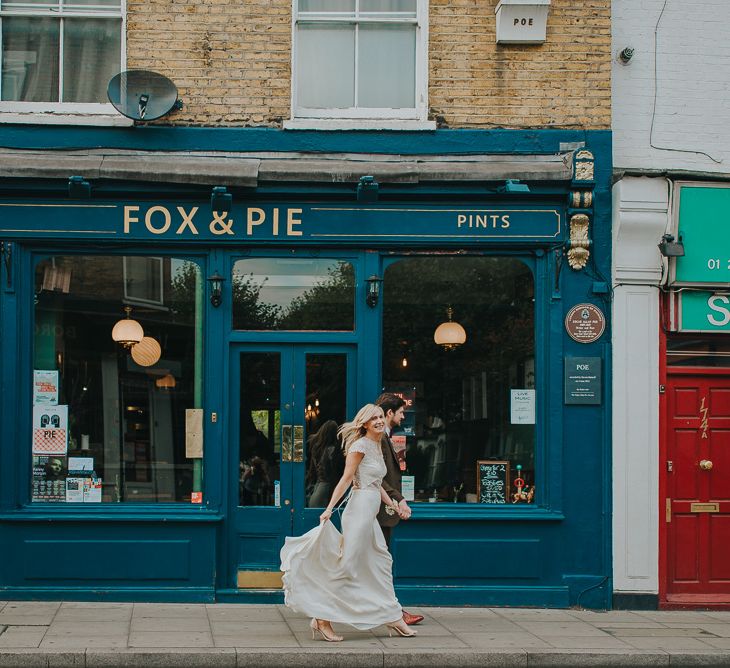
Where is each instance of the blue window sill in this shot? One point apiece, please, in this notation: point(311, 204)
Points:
point(81, 512)
point(470, 511)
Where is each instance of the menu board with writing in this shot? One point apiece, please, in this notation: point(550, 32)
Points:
point(492, 481)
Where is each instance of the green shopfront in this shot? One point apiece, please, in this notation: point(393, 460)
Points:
point(183, 329)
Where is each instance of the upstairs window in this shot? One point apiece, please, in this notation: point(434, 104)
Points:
point(63, 51)
point(360, 59)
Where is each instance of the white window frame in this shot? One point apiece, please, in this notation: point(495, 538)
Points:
point(377, 118)
point(64, 113)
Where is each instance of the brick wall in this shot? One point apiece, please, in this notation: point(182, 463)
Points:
point(232, 63)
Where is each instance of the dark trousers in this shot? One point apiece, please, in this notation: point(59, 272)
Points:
point(387, 533)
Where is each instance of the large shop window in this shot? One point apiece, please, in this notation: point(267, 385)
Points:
point(111, 421)
point(59, 51)
point(293, 294)
point(344, 52)
point(469, 429)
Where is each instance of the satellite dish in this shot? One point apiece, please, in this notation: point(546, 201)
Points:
point(142, 95)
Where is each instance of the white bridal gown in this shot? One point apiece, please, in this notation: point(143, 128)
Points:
point(345, 577)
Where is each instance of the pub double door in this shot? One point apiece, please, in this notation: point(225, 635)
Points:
point(287, 401)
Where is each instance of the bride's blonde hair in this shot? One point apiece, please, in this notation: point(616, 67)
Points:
point(351, 431)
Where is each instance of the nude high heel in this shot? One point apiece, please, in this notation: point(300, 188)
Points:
point(403, 632)
point(314, 625)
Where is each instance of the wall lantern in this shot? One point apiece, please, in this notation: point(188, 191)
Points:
point(513, 186)
point(668, 247)
point(522, 21)
point(147, 352)
point(373, 290)
point(449, 335)
point(126, 331)
point(221, 200)
point(216, 289)
point(367, 189)
point(166, 382)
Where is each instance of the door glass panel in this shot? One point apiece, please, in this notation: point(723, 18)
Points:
point(293, 294)
point(325, 411)
point(260, 428)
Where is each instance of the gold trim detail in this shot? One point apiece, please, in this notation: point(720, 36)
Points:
point(578, 253)
point(298, 443)
point(286, 443)
point(668, 510)
point(704, 507)
point(583, 171)
point(259, 579)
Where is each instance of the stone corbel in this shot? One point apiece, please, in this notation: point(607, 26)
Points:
point(578, 252)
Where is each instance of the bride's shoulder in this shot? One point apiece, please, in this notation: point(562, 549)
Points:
point(362, 445)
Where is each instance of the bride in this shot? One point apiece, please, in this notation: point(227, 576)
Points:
point(348, 577)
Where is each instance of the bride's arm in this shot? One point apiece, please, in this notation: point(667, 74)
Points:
point(386, 499)
point(351, 463)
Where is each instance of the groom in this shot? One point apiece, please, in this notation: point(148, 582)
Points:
point(394, 409)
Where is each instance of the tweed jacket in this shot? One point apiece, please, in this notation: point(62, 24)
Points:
point(391, 482)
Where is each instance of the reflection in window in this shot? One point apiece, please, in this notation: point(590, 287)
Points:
point(259, 428)
point(693, 350)
point(462, 404)
point(120, 414)
point(293, 293)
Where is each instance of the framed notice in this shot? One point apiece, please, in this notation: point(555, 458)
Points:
point(492, 481)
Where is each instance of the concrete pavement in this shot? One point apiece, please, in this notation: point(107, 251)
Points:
point(54, 634)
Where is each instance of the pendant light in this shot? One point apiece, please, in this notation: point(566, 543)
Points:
point(449, 335)
point(147, 352)
point(127, 332)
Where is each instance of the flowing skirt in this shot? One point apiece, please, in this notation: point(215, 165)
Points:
point(346, 577)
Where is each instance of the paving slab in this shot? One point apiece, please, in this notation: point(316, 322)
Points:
point(487, 641)
point(571, 629)
point(465, 659)
point(698, 658)
point(327, 657)
point(605, 657)
point(162, 658)
point(22, 636)
point(171, 639)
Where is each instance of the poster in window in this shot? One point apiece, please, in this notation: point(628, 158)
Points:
point(50, 430)
point(492, 481)
point(407, 392)
point(45, 387)
point(49, 478)
point(399, 447)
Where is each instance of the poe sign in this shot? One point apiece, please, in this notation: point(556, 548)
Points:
point(704, 228)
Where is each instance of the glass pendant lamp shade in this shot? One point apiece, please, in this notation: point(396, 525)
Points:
point(449, 334)
point(147, 352)
point(127, 332)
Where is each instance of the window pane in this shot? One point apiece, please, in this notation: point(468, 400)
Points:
point(380, 83)
point(109, 423)
point(91, 57)
point(86, 3)
point(325, 410)
point(143, 279)
point(388, 6)
point(326, 5)
point(30, 59)
point(326, 66)
point(275, 293)
point(462, 403)
point(260, 428)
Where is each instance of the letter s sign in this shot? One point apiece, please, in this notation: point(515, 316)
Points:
point(724, 312)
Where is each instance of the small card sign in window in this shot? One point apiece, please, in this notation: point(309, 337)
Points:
point(492, 481)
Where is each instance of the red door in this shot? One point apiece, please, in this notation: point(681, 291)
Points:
point(698, 490)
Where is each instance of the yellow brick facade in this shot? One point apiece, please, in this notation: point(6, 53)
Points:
point(232, 63)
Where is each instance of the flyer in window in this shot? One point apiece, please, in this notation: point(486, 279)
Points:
point(49, 478)
point(50, 430)
point(408, 487)
point(399, 447)
point(45, 387)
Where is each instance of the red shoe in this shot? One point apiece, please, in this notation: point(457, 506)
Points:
point(410, 619)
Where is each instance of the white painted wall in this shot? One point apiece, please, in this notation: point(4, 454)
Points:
point(640, 217)
point(692, 85)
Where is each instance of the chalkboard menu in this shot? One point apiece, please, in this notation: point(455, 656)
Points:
point(492, 481)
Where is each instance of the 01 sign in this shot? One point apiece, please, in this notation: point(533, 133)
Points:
point(704, 312)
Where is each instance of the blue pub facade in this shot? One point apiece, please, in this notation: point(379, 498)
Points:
point(186, 312)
